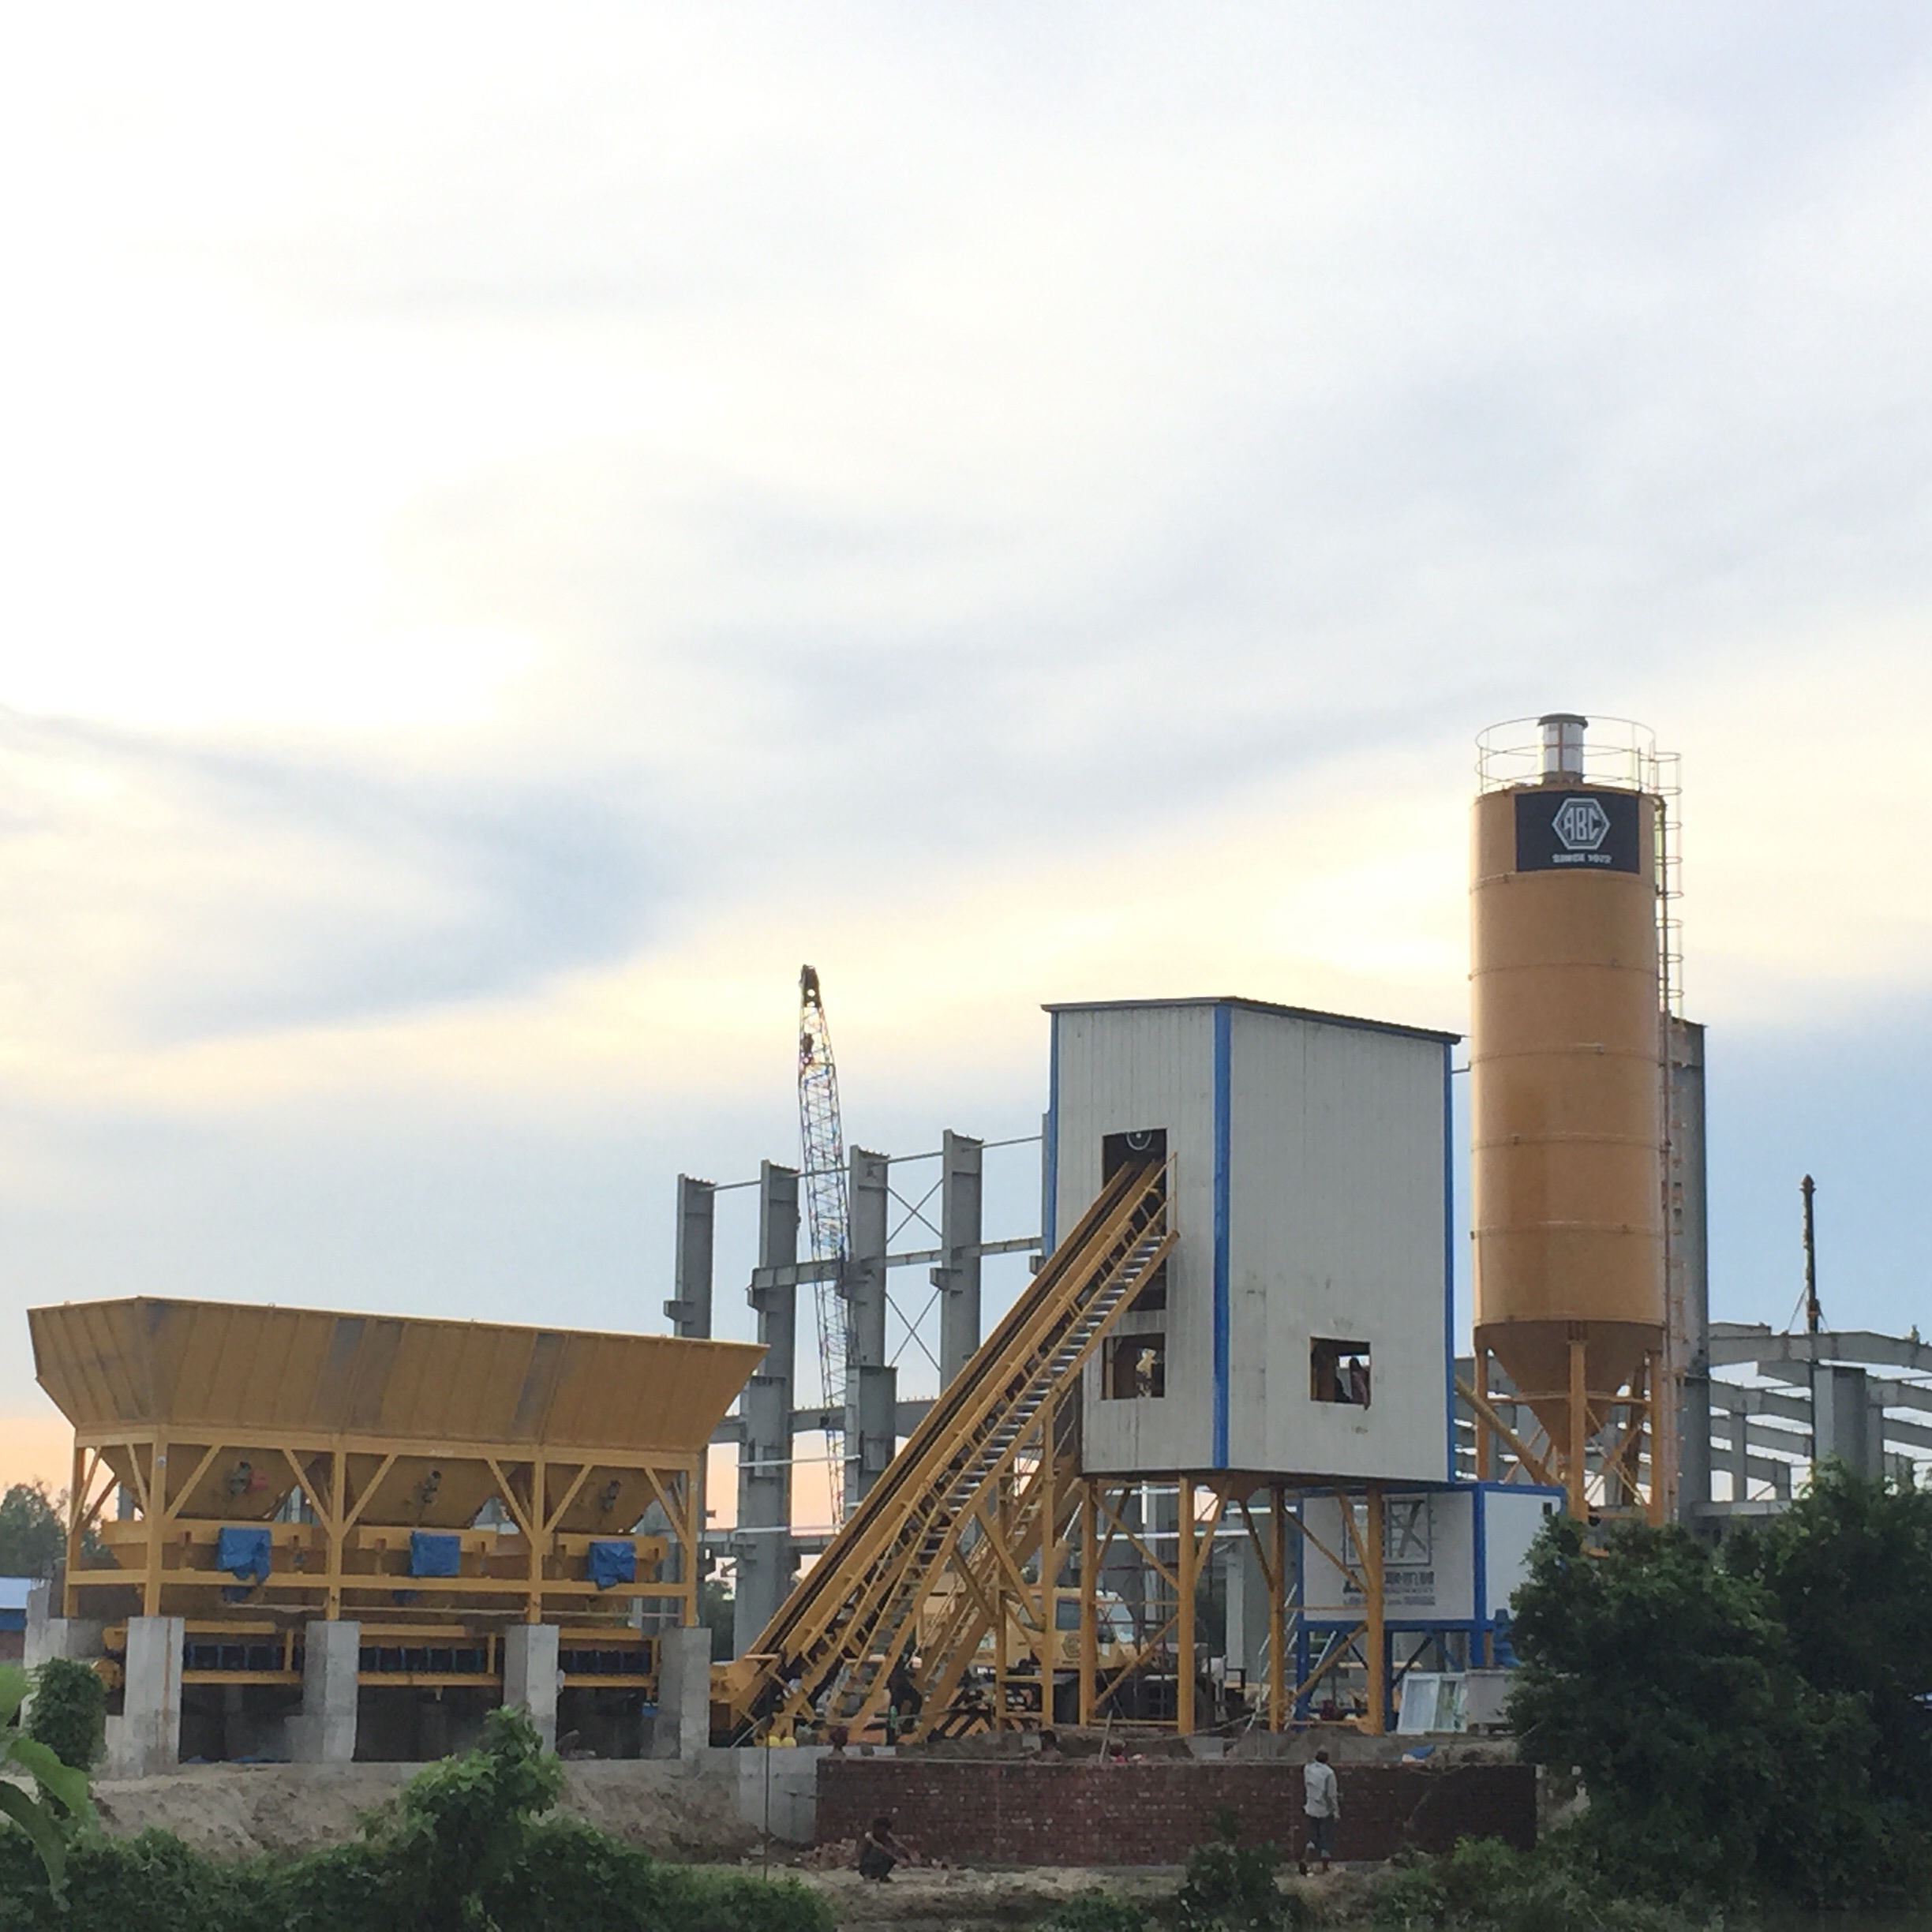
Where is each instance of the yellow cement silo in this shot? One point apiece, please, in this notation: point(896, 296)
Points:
point(1567, 1105)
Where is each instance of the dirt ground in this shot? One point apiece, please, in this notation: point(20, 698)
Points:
point(968, 1900)
point(233, 1810)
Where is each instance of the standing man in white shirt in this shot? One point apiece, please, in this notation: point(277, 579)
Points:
point(1322, 1803)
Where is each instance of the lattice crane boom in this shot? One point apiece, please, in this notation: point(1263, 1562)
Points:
point(828, 1213)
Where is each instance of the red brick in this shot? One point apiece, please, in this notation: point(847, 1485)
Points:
point(1020, 1813)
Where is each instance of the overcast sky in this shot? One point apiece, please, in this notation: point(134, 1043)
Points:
point(521, 525)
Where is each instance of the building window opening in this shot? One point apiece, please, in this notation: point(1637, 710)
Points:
point(1339, 1372)
point(1139, 1146)
point(1133, 1368)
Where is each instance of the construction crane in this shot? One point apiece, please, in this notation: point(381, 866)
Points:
point(828, 1216)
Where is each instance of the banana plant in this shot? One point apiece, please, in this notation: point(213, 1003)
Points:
point(62, 1791)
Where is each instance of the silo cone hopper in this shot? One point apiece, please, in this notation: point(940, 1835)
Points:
point(234, 1459)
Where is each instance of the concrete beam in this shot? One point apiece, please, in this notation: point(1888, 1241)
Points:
point(1733, 1342)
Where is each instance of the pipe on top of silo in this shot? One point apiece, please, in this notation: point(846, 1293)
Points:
point(1562, 743)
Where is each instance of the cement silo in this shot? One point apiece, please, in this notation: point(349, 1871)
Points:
point(1569, 999)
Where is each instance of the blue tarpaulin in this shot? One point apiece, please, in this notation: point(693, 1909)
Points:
point(613, 1562)
point(435, 1555)
point(243, 1554)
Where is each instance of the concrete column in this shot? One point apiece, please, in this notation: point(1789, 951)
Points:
point(690, 1309)
point(325, 1732)
point(957, 1277)
point(1841, 1419)
point(145, 1739)
point(683, 1726)
point(530, 1675)
point(869, 1394)
point(871, 1429)
point(1689, 1262)
point(763, 1542)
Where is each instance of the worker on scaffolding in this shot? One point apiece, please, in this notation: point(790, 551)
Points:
point(906, 1702)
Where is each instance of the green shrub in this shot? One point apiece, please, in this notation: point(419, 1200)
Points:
point(680, 1898)
point(1483, 1886)
point(69, 1711)
point(1097, 1911)
point(459, 1828)
point(153, 1883)
point(1232, 1885)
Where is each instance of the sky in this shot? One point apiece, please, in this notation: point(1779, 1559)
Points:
point(522, 527)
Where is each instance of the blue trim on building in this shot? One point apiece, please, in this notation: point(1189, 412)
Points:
point(1050, 1208)
point(1223, 1138)
point(1449, 1249)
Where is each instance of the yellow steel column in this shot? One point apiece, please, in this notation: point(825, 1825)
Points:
point(1277, 1614)
point(76, 1504)
point(1485, 1440)
point(1089, 1597)
point(1184, 1620)
point(1658, 1390)
point(334, 1531)
point(157, 1512)
point(1376, 1635)
point(1002, 1616)
point(540, 1543)
point(1049, 1570)
point(1575, 1475)
point(694, 1541)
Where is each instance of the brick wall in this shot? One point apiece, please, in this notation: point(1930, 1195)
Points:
point(1008, 1813)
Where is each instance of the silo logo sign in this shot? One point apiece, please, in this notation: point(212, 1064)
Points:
point(1594, 830)
point(1581, 824)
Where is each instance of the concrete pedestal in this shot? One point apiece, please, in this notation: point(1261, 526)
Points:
point(530, 1675)
point(325, 1732)
point(683, 1729)
point(48, 1636)
point(145, 1739)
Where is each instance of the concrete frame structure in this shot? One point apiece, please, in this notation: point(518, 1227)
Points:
point(767, 1544)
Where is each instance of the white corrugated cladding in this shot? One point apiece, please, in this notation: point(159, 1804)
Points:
point(1337, 1231)
point(1119, 1070)
point(1309, 1173)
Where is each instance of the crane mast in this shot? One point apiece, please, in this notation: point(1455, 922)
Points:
point(827, 1215)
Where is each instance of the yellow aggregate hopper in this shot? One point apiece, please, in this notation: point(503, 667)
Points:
point(306, 1463)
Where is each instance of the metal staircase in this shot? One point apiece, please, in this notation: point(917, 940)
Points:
point(975, 1495)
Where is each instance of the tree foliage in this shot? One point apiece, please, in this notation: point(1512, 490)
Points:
point(1726, 1752)
point(1849, 1569)
point(32, 1541)
point(46, 1815)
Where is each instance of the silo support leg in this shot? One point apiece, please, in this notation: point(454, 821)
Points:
point(1375, 1632)
point(1577, 1474)
point(1188, 1569)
